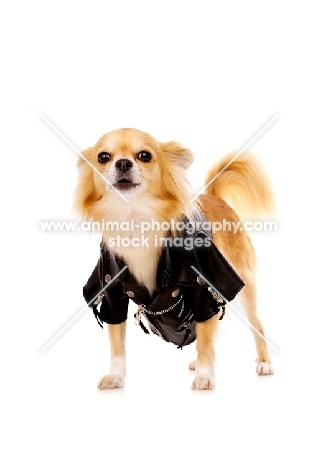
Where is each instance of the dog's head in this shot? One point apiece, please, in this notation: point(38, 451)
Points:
point(128, 166)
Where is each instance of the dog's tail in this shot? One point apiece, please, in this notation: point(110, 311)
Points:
point(244, 184)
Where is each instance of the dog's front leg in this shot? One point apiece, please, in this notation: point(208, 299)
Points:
point(205, 364)
point(116, 377)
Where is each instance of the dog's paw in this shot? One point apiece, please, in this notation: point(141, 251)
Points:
point(264, 368)
point(111, 381)
point(203, 383)
point(192, 365)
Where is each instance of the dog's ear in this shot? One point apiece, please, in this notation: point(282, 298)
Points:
point(85, 194)
point(83, 156)
point(178, 154)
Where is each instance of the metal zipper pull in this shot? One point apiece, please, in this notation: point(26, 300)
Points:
point(138, 318)
point(216, 296)
point(140, 311)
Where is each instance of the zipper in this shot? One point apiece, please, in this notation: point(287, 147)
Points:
point(186, 321)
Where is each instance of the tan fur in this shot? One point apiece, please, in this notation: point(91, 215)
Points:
point(244, 184)
point(163, 195)
point(243, 177)
point(117, 335)
point(165, 180)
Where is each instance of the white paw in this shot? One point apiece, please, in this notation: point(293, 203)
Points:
point(203, 383)
point(204, 377)
point(192, 365)
point(264, 368)
point(111, 381)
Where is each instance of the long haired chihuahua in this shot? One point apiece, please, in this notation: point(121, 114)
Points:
point(130, 177)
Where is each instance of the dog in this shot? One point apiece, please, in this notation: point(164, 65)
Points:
point(129, 175)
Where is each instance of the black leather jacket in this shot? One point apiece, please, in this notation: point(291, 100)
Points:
point(182, 296)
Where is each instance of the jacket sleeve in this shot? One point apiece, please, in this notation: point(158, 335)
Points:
point(107, 300)
point(92, 289)
point(217, 283)
point(216, 271)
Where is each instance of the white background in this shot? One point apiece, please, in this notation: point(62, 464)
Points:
point(207, 74)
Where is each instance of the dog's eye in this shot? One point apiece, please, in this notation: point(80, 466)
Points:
point(103, 157)
point(144, 156)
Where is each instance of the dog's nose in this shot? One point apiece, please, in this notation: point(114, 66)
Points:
point(124, 165)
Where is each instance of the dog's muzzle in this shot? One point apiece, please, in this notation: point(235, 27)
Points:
point(124, 176)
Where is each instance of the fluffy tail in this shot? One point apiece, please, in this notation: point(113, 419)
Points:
point(243, 184)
